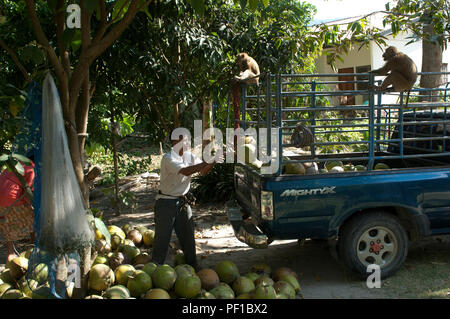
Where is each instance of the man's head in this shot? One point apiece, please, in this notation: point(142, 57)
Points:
point(180, 138)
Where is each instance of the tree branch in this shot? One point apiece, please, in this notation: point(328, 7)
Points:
point(60, 23)
point(16, 60)
point(41, 37)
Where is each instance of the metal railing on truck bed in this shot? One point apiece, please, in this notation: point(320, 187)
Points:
point(347, 121)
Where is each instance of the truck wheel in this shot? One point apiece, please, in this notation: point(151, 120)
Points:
point(373, 238)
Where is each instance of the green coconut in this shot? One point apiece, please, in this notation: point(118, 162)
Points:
point(264, 292)
point(101, 277)
point(188, 286)
point(164, 277)
point(149, 268)
point(227, 271)
point(123, 273)
point(243, 285)
point(223, 291)
point(157, 293)
point(139, 283)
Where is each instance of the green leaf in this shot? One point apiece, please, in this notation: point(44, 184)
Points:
point(199, 6)
point(20, 169)
point(100, 225)
point(23, 159)
point(253, 4)
point(265, 3)
point(4, 157)
point(243, 3)
point(120, 9)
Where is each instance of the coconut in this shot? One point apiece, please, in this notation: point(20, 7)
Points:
point(130, 252)
point(116, 242)
point(188, 286)
point(184, 270)
point(285, 289)
point(252, 276)
point(27, 287)
point(126, 228)
point(100, 260)
point(164, 277)
point(223, 291)
point(179, 259)
point(283, 270)
point(102, 247)
point(12, 294)
point(243, 285)
point(264, 280)
point(117, 292)
point(142, 259)
point(148, 238)
point(261, 269)
point(123, 273)
point(336, 169)
point(142, 229)
point(205, 295)
point(294, 169)
point(157, 293)
point(292, 281)
point(27, 253)
point(245, 296)
point(209, 278)
point(4, 288)
point(149, 268)
point(116, 260)
point(94, 297)
point(139, 283)
point(264, 292)
point(114, 230)
point(381, 166)
point(360, 168)
point(135, 236)
point(227, 271)
point(349, 168)
point(18, 267)
point(101, 277)
point(330, 165)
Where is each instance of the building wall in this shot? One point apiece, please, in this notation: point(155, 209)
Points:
point(373, 56)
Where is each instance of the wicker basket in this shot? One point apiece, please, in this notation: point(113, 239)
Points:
point(17, 223)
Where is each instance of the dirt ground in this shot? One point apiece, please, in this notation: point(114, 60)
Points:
point(425, 274)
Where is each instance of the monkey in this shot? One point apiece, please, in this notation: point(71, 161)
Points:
point(401, 72)
point(248, 67)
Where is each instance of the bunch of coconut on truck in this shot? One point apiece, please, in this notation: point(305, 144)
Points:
point(355, 167)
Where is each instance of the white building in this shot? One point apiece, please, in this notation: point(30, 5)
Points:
point(368, 58)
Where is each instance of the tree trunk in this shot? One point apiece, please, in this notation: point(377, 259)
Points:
point(207, 121)
point(431, 62)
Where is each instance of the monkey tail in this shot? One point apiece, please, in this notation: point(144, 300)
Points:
point(407, 98)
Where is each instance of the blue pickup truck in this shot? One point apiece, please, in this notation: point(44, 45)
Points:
point(394, 185)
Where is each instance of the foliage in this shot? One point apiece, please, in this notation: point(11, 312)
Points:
point(413, 14)
point(216, 186)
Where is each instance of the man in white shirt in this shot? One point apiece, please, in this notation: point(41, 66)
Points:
point(172, 211)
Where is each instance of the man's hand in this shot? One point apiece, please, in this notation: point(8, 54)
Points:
point(208, 167)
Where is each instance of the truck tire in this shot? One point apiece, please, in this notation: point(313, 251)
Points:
point(373, 238)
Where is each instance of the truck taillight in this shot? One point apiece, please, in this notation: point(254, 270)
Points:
point(267, 205)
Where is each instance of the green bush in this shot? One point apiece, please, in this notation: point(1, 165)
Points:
point(216, 186)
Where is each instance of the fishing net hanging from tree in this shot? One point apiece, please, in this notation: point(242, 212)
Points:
point(64, 230)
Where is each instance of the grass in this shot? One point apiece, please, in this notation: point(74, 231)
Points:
point(425, 274)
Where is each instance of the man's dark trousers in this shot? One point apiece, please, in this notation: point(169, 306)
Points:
point(173, 214)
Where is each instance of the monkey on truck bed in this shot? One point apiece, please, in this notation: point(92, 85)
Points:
point(400, 69)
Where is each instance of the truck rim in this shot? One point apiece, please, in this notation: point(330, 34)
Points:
point(377, 245)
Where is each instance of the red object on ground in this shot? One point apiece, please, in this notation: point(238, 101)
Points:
point(11, 189)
